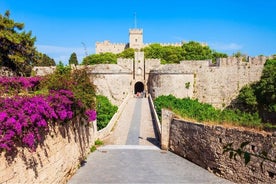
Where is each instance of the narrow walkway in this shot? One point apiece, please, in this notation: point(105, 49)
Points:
point(132, 155)
point(135, 126)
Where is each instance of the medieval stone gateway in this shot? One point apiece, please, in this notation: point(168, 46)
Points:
point(215, 84)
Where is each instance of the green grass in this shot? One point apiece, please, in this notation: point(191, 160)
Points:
point(202, 112)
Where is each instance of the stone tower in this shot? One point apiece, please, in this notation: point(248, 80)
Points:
point(136, 38)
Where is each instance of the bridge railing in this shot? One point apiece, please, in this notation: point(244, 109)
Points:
point(156, 121)
point(106, 131)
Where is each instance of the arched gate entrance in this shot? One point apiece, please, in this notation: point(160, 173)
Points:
point(138, 87)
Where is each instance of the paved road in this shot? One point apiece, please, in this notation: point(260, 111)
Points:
point(135, 126)
point(131, 155)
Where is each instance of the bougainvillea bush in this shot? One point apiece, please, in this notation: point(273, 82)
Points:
point(15, 85)
point(25, 118)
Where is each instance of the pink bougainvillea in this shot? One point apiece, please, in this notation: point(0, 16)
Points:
point(22, 118)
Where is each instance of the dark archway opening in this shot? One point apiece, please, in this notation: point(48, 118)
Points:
point(138, 87)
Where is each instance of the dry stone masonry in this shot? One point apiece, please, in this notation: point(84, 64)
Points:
point(54, 161)
point(203, 145)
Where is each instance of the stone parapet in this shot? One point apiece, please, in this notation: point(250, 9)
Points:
point(203, 145)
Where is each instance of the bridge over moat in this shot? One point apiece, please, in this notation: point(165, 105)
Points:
point(131, 155)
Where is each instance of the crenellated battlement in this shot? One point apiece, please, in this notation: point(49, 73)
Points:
point(107, 42)
point(107, 46)
point(135, 31)
point(241, 61)
point(179, 44)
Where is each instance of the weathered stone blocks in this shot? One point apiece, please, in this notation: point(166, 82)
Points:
point(203, 145)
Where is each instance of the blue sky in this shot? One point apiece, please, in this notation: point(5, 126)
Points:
point(65, 26)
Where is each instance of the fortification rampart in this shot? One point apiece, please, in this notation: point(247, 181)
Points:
point(125, 63)
point(217, 84)
point(106, 46)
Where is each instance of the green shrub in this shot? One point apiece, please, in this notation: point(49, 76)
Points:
point(98, 142)
point(75, 80)
point(202, 112)
point(105, 111)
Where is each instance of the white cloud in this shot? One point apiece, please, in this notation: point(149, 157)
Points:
point(226, 46)
point(63, 54)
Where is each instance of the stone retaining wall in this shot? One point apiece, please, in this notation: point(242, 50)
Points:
point(203, 145)
point(53, 162)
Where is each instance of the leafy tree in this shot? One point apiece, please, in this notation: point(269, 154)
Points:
point(127, 53)
point(102, 58)
point(73, 59)
point(44, 60)
point(266, 88)
point(174, 54)
point(154, 51)
point(17, 49)
point(261, 96)
point(247, 100)
point(196, 51)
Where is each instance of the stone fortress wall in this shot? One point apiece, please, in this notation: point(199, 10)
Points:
point(217, 84)
point(107, 46)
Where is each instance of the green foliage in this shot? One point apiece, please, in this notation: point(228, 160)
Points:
point(103, 58)
point(105, 111)
point(174, 54)
point(196, 51)
point(93, 148)
point(77, 81)
point(60, 79)
point(127, 53)
point(73, 60)
point(266, 88)
point(247, 100)
point(98, 142)
point(17, 50)
point(203, 112)
point(168, 54)
point(44, 60)
point(261, 96)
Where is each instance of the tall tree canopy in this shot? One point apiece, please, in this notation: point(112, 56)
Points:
point(102, 58)
point(127, 53)
point(188, 51)
point(73, 59)
point(17, 49)
point(44, 60)
point(260, 96)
